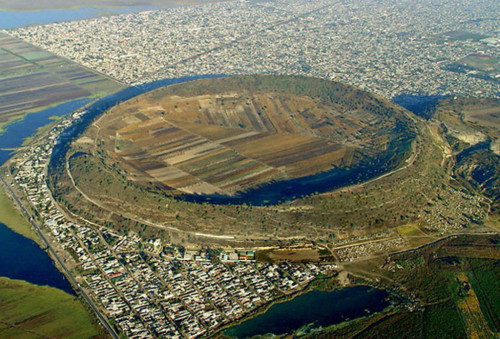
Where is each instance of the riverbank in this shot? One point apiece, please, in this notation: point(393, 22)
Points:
point(21, 133)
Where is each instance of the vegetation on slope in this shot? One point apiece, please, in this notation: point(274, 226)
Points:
point(472, 128)
point(419, 193)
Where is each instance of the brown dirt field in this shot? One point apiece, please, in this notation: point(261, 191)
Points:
point(293, 254)
point(214, 142)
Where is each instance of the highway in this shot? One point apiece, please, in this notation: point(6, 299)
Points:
point(66, 272)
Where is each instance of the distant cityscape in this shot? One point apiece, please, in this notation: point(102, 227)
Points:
point(389, 47)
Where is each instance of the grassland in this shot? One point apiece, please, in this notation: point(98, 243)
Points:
point(12, 217)
point(32, 79)
point(484, 279)
point(474, 321)
point(30, 311)
point(477, 65)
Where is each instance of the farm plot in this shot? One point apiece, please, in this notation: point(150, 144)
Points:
point(231, 141)
point(32, 79)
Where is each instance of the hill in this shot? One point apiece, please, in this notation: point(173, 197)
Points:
point(471, 127)
point(397, 168)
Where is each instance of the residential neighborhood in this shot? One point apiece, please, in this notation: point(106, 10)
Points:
point(386, 47)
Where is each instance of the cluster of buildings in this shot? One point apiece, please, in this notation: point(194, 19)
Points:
point(353, 252)
point(145, 288)
point(453, 211)
point(390, 47)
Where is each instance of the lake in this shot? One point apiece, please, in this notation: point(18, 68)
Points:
point(313, 309)
point(36, 263)
point(21, 258)
point(19, 130)
point(268, 194)
point(15, 19)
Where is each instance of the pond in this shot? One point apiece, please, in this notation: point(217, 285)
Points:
point(22, 258)
point(314, 309)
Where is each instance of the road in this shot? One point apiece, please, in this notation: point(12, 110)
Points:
point(65, 270)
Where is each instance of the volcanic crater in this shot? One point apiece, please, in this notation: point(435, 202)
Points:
point(228, 135)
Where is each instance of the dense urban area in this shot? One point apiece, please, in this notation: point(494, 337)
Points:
point(386, 47)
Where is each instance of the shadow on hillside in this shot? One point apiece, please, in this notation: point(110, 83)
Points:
point(422, 105)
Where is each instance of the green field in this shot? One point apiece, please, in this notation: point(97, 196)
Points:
point(30, 311)
point(477, 65)
point(443, 284)
point(484, 278)
point(12, 217)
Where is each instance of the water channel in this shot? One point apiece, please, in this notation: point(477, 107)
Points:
point(21, 258)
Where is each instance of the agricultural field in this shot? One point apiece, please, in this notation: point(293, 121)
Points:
point(468, 304)
point(224, 141)
point(30, 311)
point(32, 79)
